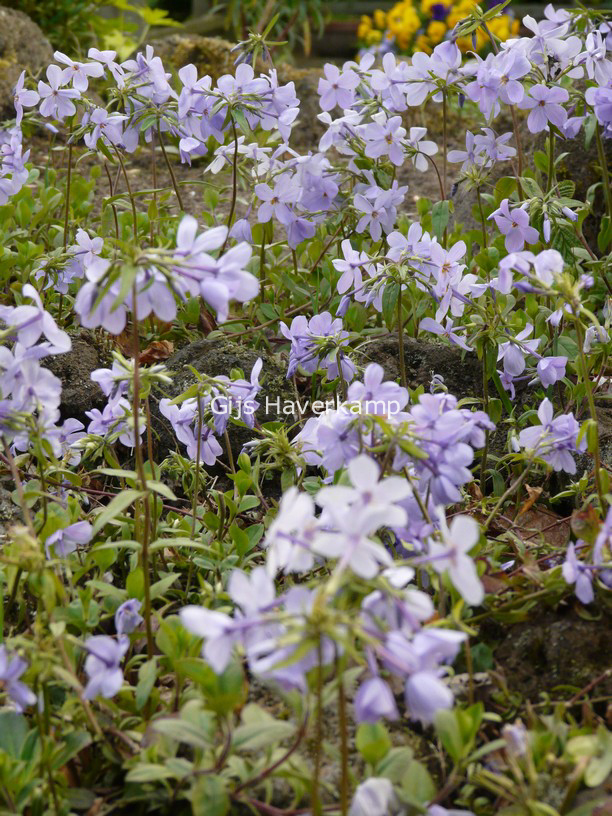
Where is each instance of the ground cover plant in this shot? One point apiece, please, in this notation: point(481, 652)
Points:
point(206, 611)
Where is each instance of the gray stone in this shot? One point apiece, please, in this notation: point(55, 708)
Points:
point(23, 46)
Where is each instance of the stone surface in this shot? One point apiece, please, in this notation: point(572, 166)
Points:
point(23, 46)
point(462, 374)
point(554, 649)
point(216, 357)
point(79, 393)
point(213, 56)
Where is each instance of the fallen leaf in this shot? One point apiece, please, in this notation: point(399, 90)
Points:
point(534, 494)
point(208, 323)
point(158, 350)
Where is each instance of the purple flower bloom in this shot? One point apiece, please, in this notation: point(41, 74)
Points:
point(30, 322)
point(128, 617)
point(11, 669)
point(374, 701)
point(377, 397)
point(383, 137)
point(336, 88)
point(575, 572)
point(555, 439)
point(23, 98)
point(102, 665)
point(551, 369)
point(451, 555)
point(66, 541)
point(545, 105)
point(374, 797)
point(427, 324)
point(56, 100)
point(514, 224)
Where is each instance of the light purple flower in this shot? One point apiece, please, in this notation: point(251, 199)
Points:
point(554, 440)
point(56, 100)
point(374, 797)
point(374, 701)
point(66, 541)
point(23, 98)
point(337, 88)
point(575, 572)
point(514, 224)
point(546, 107)
point(102, 665)
point(451, 555)
point(11, 669)
point(128, 617)
point(551, 369)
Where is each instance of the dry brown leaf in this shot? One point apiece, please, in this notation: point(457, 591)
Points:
point(534, 494)
point(207, 321)
point(158, 351)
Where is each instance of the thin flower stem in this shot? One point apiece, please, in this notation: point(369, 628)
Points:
point(112, 192)
point(144, 553)
point(588, 387)
point(170, 170)
point(444, 140)
point(551, 160)
point(230, 218)
point(130, 194)
point(482, 219)
point(318, 755)
point(344, 749)
point(605, 175)
point(400, 339)
point(509, 492)
point(68, 179)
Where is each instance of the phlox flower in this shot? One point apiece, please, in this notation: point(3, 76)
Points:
point(450, 554)
point(554, 440)
point(546, 107)
point(336, 88)
point(56, 101)
point(23, 98)
point(514, 224)
point(102, 665)
point(576, 572)
point(11, 669)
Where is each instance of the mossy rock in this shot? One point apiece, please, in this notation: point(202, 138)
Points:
point(23, 46)
point(216, 357)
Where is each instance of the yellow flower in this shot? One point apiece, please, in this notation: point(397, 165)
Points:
point(364, 28)
point(436, 31)
point(374, 37)
point(504, 27)
point(426, 7)
point(423, 44)
point(380, 19)
point(403, 20)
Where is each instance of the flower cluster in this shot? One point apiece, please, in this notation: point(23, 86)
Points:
point(410, 27)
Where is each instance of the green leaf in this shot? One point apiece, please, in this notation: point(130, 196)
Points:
point(148, 772)
point(115, 507)
point(159, 587)
point(449, 732)
point(147, 674)
point(260, 729)
point(162, 489)
point(184, 731)
point(71, 744)
point(389, 303)
point(440, 214)
point(373, 742)
point(209, 797)
point(13, 732)
point(418, 785)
